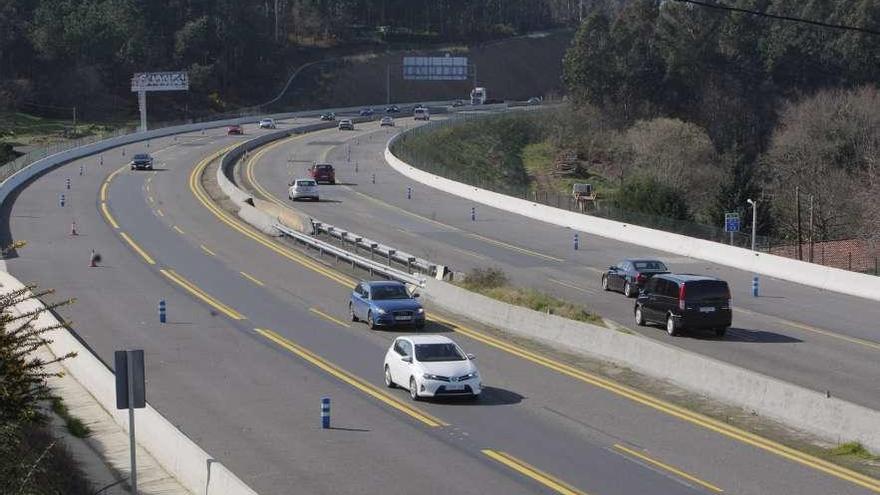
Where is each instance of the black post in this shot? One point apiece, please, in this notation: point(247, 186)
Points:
point(797, 200)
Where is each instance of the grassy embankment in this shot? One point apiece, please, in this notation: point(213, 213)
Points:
point(492, 282)
point(23, 130)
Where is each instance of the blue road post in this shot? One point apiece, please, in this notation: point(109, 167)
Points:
point(755, 286)
point(162, 311)
point(80, 170)
point(408, 193)
point(575, 241)
point(325, 412)
point(355, 166)
point(61, 200)
point(473, 214)
point(67, 183)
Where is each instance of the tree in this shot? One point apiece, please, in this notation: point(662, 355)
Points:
point(648, 195)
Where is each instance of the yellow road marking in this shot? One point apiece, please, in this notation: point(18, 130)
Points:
point(571, 286)
point(669, 468)
point(175, 227)
point(672, 410)
point(532, 472)
point(328, 317)
point(108, 216)
point(252, 279)
point(137, 248)
point(595, 380)
point(199, 293)
point(159, 212)
point(212, 253)
point(351, 379)
point(808, 328)
point(224, 217)
point(104, 187)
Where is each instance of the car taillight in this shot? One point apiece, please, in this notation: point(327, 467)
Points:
point(729, 297)
point(640, 277)
point(681, 293)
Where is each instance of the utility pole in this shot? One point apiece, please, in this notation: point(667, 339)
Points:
point(811, 228)
point(797, 201)
point(754, 219)
point(74, 120)
point(388, 84)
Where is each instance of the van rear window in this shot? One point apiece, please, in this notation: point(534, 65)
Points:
point(707, 289)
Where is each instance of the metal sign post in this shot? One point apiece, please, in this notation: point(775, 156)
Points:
point(731, 224)
point(131, 395)
point(142, 82)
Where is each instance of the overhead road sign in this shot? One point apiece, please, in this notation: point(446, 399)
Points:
point(160, 81)
point(435, 68)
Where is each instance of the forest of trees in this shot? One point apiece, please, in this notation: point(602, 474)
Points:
point(782, 104)
point(236, 51)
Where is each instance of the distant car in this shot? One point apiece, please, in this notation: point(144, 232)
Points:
point(458, 103)
point(392, 109)
point(630, 275)
point(367, 112)
point(267, 124)
point(303, 189)
point(386, 122)
point(385, 304)
point(534, 101)
point(234, 129)
point(431, 366)
point(682, 302)
point(421, 114)
point(328, 116)
point(323, 172)
point(141, 161)
point(419, 105)
point(345, 125)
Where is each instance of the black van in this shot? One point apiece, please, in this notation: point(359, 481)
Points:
point(685, 302)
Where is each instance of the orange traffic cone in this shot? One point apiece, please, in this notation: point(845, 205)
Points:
point(73, 228)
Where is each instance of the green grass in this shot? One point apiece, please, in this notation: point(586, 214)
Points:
point(492, 282)
point(74, 425)
point(24, 129)
point(853, 449)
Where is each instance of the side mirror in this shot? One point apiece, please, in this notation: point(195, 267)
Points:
point(290, 183)
point(406, 359)
point(416, 295)
point(612, 268)
point(471, 357)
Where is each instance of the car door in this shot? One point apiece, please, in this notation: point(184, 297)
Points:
point(667, 300)
point(357, 302)
point(651, 294)
point(403, 370)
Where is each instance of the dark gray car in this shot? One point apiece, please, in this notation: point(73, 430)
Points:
point(683, 302)
point(630, 275)
point(141, 161)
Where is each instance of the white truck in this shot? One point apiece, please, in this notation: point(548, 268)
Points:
point(478, 96)
point(421, 113)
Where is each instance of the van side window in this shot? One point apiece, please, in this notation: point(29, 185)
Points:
point(651, 286)
point(671, 289)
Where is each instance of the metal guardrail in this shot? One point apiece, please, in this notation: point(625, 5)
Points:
point(356, 260)
point(375, 248)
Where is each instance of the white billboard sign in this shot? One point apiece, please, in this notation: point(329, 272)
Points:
point(160, 81)
point(435, 68)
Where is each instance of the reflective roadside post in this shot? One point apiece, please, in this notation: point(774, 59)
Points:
point(575, 241)
point(131, 395)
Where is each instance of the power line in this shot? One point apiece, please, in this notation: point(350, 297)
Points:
point(780, 17)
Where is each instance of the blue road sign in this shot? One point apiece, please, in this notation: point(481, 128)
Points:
point(731, 222)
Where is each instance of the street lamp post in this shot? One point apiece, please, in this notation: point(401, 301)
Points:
point(754, 219)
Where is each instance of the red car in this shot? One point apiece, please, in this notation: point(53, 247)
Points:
point(323, 172)
point(234, 129)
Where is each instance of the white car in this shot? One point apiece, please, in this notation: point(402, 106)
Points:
point(386, 121)
point(303, 189)
point(267, 124)
point(421, 113)
point(346, 125)
point(431, 366)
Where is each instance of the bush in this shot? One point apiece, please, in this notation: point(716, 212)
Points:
point(648, 195)
point(484, 278)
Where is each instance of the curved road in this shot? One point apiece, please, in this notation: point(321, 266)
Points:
point(257, 334)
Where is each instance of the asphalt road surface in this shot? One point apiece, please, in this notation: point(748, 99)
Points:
point(257, 334)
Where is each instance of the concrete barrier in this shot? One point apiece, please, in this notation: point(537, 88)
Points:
point(194, 468)
point(830, 418)
point(822, 277)
point(261, 220)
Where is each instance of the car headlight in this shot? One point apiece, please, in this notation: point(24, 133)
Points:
point(428, 376)
point(380, 311)
point(469, 376)
point(420, 310)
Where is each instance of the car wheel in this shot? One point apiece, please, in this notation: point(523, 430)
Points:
point(388, 381)
point(413, 389)
point(640, 318)
point(351, 312)
point(627, 290)
point(605, 283)
point(371, 321)
point(720, 332)
point(671, 328)
point(332, 182)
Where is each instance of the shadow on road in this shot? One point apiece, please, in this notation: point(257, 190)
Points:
point(735, 334)
point(491, 396)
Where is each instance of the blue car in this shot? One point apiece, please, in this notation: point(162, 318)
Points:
point(385, 303)
point(366, 112)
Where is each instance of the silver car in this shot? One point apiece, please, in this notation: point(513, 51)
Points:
point(386, 121)
point(346, 124)
point(303, 189)
point(267, 124)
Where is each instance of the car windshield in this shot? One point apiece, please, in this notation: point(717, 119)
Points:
point(381, 292)
point(305, 183)
point(652, 266)
point(324, 168)
point(141, 156)
point(438, 352)
point(704, 290)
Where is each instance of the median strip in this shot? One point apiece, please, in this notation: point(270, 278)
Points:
point(350, 379)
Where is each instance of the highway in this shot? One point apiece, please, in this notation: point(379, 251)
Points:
point(821, 340)
point(258, 333)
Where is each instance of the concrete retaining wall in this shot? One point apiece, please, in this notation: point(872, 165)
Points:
point(832, 419)
point(822, 277)
point(194, 468)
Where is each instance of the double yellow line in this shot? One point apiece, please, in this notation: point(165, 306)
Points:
point(532, 472)
point(199, 293)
